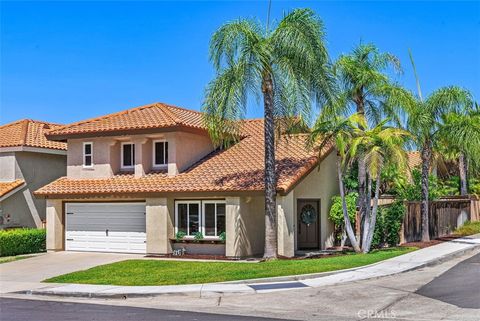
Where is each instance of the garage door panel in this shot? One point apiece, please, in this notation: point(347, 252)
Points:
point(87, 225)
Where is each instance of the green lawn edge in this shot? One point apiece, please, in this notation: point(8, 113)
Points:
point(7, 259)
point(145, 272)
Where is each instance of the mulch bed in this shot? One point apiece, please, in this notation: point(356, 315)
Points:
point(436, 241)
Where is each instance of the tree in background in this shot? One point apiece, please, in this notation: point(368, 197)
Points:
point(424, 120)
point(287, 66)
point(460, 140)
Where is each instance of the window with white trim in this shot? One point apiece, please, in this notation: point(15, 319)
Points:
point(128, 155)
point(213, 218)
point(160, 153)
point(188, 217)
point(207, 217)
point(87, 154)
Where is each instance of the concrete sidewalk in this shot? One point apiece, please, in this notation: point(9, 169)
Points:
point(414, 260)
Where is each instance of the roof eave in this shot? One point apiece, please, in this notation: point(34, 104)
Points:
point(183, 128)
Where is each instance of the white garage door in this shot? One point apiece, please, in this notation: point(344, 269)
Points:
point(105, 227)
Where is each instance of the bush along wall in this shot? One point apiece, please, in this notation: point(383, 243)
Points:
point(389, 223)
point(22, 241)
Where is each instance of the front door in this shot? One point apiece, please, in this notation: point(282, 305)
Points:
point(308, 224)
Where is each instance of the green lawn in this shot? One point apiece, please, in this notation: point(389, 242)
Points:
point(163, 272)
point(469, 228)
point(7, 259)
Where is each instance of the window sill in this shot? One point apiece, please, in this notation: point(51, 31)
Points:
point(88, 168)
point(203, 241)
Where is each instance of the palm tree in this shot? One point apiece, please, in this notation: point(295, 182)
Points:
point(287, 66)
point(340, 131)
point(424, 120)
point(365, 88)
point(378, 147)
point(460, 137)
point(382, 146)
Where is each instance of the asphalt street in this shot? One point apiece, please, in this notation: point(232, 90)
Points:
point(36, 310)
point(459, 286)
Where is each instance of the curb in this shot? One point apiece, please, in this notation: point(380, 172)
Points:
point(282, 279)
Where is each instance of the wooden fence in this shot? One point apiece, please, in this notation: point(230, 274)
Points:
point(445, 216)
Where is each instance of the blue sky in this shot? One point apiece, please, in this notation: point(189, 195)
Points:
point(66, 61)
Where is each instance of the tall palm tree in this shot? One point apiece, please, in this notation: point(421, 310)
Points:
point(424, 120)
point(365, 88)
point(287, 66)
point(379, 147)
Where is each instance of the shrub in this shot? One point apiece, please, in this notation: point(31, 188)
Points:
point(413, 190)
point(223, 237)
point(336, 212)
point(22, 241)
point(469, 228)
point(389, 222)
point(180, 235)
point(197, 237)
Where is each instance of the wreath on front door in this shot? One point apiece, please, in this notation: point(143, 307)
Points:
point(308, 214)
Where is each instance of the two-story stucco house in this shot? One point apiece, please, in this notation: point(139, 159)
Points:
point(138, 177)
point(28, 161)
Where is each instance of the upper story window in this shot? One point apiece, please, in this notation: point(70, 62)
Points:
point(128, 155)
point(87, 154)
point(160, 153)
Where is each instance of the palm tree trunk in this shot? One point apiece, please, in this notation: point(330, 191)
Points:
point(367, 219)
point(270, 251)
point(344, 237)
point(373, 219)
point(426, 155)
point(362, 194)
point(346, 218)
point(362, 171)
point(462, 164)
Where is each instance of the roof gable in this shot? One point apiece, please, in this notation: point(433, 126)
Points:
point(157, 115)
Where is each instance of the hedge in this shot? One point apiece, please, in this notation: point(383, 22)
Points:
point(22, 241)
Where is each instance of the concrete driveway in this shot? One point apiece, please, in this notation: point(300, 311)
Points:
point(27, 274)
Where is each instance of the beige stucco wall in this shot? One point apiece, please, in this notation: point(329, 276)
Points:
point(320, 184)
point(37, 169)
point(159, 226)
point(7, 167)
point(189, 148)
point(55, 226)
point(184, 150)
point(101, 158)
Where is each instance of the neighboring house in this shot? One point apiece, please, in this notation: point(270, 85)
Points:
point(137, 177)
point(28, 161)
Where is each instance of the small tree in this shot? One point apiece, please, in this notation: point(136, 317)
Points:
point(379, 146)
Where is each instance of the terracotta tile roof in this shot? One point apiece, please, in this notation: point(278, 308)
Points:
point(238, 168)
point(7, 187)
point(157, 115)
point(31, 133)
point(414, 159)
